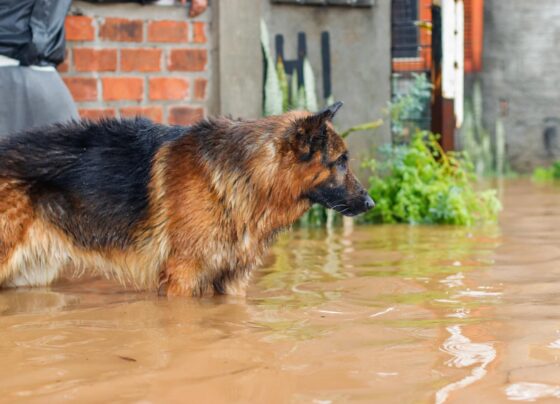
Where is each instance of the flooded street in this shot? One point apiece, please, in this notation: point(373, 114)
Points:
point(391, 314)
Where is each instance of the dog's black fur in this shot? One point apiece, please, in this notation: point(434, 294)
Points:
point(90, 179)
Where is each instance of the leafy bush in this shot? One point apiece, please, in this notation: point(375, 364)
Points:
point(552, 173)
point(408, 110)
point(420, 183)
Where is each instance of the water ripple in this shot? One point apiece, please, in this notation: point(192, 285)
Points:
point(531, 391)
point(465, 353)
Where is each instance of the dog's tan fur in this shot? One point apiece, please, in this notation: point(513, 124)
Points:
point(208, 224)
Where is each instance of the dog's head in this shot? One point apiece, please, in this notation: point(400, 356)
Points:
point(322, 158)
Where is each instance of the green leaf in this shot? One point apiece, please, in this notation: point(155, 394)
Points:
point(309, 86)
point(272, 91)
point(284, 86)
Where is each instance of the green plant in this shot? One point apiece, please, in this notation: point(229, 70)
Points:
point(272, 97)
point(408, 110)
point(311, 103)
point(319, 216)
point(362, 127)
point(281, 93)
point(284, 85)
point(419, 183)
point(543, 174)
point(476, 139)
point(489, 157)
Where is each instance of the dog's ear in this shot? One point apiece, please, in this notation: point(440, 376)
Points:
point(329, 112)
point(310, 132)
point(316, 121)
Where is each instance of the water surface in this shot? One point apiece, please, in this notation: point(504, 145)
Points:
point(391, 314)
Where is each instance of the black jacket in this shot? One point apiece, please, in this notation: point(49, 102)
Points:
point(32, 31)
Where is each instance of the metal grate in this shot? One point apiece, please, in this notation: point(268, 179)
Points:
point(411, 52)
point(411, 45)
point(344, 3)
point(405, 42)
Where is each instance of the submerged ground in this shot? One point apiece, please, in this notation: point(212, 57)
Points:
point(391, 314)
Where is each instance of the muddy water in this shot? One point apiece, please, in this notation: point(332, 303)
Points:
point(391, 314)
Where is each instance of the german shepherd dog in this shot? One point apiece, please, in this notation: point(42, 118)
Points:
point(184, 210)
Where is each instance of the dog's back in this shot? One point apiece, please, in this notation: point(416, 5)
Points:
point(77, 186)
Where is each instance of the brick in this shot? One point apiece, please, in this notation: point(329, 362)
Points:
point(188, 60)
point(141, 60)
point(185, 115)
point(79, 28)
point(168, 88)
point(82, 88)
point(153, 113)
point(64, 67)
point(200, 89)
point(121, 30)
point(123, 88)
point(168, 31)
point(95, 114)
point(199, 32)
point(95, 60)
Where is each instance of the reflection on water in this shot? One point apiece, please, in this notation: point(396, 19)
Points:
point(358, 314)
point(466, 354)
point(531, 391)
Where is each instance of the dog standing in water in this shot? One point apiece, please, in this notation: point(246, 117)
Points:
point(184, 210)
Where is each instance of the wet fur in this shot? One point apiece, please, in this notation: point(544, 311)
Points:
point(186, 210)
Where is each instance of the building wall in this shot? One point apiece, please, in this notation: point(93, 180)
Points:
point(237, 67)
point(360, 45)
point(129, 59)
point(520, 76)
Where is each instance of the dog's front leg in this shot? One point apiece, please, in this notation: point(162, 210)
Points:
point(182, 277)
point(232, 283)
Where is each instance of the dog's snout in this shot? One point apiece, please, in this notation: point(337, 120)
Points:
point(369, 203)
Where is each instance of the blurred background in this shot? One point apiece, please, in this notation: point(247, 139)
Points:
point(479, 72)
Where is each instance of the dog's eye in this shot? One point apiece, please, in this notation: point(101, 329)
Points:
point(342, 161)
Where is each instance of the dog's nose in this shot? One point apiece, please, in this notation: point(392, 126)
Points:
point(369, 202)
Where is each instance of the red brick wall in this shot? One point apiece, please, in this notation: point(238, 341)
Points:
point(124, 67)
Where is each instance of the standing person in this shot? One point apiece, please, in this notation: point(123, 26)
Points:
point(32, 44)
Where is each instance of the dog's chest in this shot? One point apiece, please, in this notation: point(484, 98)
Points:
point(242, 253)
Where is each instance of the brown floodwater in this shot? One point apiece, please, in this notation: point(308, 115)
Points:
point(392, 314)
